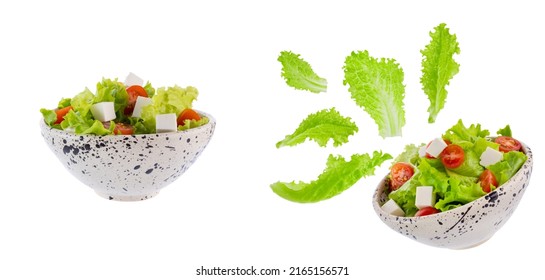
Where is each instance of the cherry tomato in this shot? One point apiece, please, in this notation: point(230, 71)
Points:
point(134, 91)
point(508, 144)
point(399, 174)
point(452, 156)
point(426, 211)
point(125, 129)
point(488, 180)
point(61, 113)
point(187, 114)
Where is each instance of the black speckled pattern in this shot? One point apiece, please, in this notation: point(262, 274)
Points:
point(128, 168)
point(466, 226)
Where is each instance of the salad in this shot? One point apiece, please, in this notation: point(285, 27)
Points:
point(457, 168)
point(129, 107)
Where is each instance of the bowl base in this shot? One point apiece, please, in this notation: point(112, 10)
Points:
point(118, 197)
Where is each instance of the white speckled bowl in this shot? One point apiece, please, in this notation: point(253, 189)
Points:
point(128, 167)
point(466, 226)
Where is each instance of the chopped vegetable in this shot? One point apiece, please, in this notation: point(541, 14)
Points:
point(438, 68)
point(299, 74)
point(457, 176)
point(112, 109)
point(321, 127)
point(376, 85)
point(338, 176)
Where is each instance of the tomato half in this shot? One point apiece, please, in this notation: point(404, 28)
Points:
point(61, 113)
point(488, 180)
point(125, 129)
point(508, 144)
point(452, 156)
point(134, 91)
point(188, 114)
point(426, 211)
point(400, 173)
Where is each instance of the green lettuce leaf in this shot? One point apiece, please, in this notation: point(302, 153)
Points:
point(506, 168)
point(65, 102)
point(470, 167)
point(409, 155)
point(193, 123)
point(376, 85)
point(321, 127)
point(50, 117)
point(299, 74)
point(459, 194)
point(459, 132)
point(438, 68)
point(112, 91)
point(338, 176)
point(83, 101)
point(85, 124)
point(506, 131)
point(166, 100)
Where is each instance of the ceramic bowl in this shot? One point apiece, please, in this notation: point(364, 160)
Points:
point(128, 167)
point(464, 227)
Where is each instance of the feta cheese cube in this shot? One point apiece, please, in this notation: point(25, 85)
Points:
point(141, 102)
point(103, 111)
point(132, 80)
point(392, 208)
point(424, 197)
point(490, 156)
point(436, 147)
point(422, 151)
point(166, 123)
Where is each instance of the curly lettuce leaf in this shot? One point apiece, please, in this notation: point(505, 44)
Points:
point(321, 127)
point(193, 123)
point(506, 131)
point(85, 124)
point(505, 169)
point(409, 155)
point(166, 100)
point(50, 117)
point(112, 91)
point(338, 176)
point(376, 85)
point(459, 133)
point(299, 74)
point(438, 68)
point(83, 101)
point(459, 193)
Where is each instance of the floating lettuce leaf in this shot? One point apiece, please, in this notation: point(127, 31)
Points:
point(438, 68)
point(299, 74)
point(321, 127)
point(338, 176)
point(376, 85)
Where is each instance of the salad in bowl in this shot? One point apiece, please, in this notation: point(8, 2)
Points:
point(127, 140)
point(453, 170)
point(127, 108)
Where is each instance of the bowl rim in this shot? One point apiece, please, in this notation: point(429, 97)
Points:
point(462, 209)
point(211, 121)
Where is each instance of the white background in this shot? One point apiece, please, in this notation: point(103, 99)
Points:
point(221, 212)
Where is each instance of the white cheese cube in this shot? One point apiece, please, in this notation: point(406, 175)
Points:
point(436, 147)
point(424, 197)
point(141, 102)
point(103, 111)
point(422, 151)
point(392, 208)
point(490, 156)
point(132, 80)
point(166, 123)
